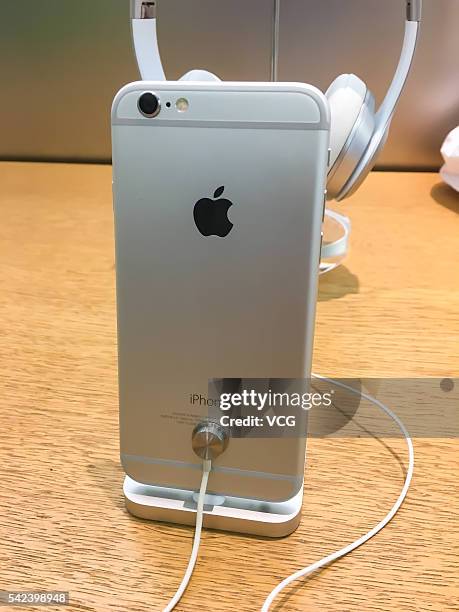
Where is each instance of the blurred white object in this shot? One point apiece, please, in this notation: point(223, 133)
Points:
point(450, 152)
point(335, 243)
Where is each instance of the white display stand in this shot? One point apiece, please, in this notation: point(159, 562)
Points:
point(274, 520)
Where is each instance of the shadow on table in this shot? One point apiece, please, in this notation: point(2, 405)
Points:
point(446, 196)
point(108, 475)
point(337, 284)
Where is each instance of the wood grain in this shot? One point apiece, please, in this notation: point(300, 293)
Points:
point(391, 311)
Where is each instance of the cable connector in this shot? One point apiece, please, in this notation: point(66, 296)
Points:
point(209, 440)
point(143, 9)
point(414, 10)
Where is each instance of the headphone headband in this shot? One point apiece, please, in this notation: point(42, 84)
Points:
point(385, 113)
point(143, 15)
point(359, 161)
point(146, 9)
point(145, 37)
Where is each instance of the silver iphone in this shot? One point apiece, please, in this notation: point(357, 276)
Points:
point(219, 201)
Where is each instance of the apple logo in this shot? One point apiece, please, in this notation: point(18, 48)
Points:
point(211, 216)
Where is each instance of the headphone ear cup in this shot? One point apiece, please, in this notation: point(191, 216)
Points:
point(352, 107)
point(199, 75)
point(351, 189)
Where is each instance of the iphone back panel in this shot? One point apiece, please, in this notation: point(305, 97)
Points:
point(218, 204)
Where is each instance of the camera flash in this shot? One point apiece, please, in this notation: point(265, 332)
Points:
point(182, 105)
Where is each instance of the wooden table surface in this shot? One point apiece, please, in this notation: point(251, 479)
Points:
point(393, 310)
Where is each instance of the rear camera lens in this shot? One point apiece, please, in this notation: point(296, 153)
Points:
point(149, 105)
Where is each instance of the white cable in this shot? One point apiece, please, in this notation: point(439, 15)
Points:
point(347, 549)
point(206, 467)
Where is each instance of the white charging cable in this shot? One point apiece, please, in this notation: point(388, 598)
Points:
point(326, 560)
point(347, 549)
point(206, 467)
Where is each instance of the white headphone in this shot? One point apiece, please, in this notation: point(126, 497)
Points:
point(358, 131)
